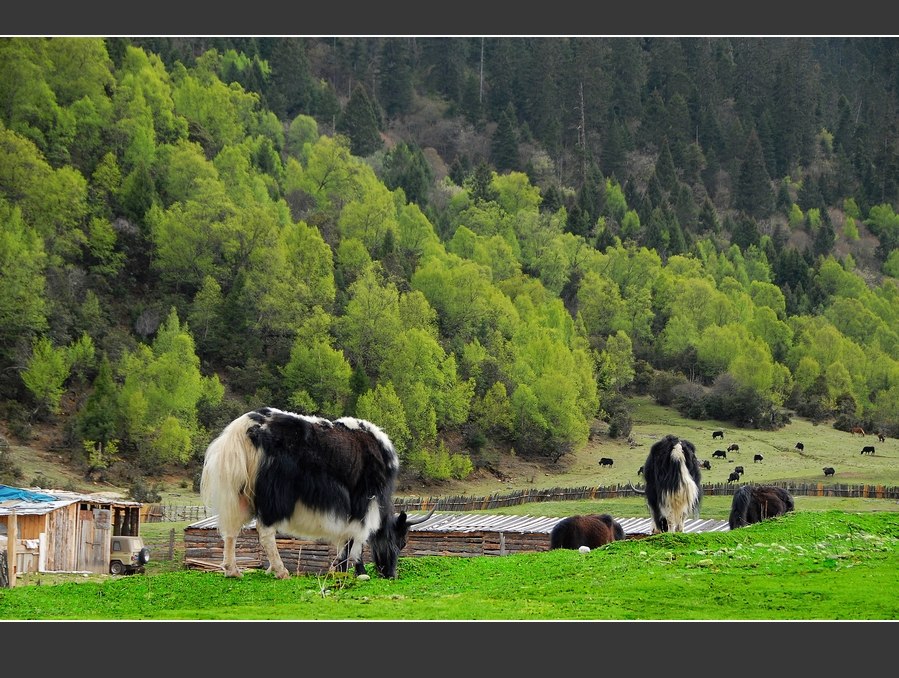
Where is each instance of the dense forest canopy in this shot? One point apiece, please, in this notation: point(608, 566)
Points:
point(481, 244)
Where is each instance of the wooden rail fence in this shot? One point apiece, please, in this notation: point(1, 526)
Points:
point(158, 513)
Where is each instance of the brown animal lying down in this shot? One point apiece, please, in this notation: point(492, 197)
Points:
point(588, 530)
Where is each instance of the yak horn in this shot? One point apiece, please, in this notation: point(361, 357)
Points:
point(417, 521)
point(635, 489)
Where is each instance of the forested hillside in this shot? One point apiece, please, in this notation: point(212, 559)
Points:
point(482, 245)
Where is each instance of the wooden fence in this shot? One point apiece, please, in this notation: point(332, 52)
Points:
point(166, 513)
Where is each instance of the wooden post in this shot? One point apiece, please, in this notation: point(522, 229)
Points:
point(12, 540)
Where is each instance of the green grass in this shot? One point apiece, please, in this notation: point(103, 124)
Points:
point(809, 565)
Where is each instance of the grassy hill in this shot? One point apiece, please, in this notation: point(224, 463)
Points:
point(823, 446)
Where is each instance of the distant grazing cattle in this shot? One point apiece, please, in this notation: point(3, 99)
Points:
point(605, 461)
point(868, 449)
point(308, 477)
point(733, 447)
point(800, 446)
point(640, 471)
point(755, 503)
point(757, 458)
point(733, 476)
point(706, 464)
point(673, 488)
point(719, 453)
point(881, 437)
point(828, 471)
point(859, 430)
point(587, 530)
point(717, 434)
point(738, 469)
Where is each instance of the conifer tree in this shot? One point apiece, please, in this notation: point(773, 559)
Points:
point(504, 143)
point(754, 194)
point(359, 122)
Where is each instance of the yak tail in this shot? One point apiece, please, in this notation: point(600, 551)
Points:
point(229, 476)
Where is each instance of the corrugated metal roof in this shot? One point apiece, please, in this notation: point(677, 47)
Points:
point(23, 506)
point(484, 522)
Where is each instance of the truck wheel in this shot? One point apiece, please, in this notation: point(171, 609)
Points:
point(116, 567)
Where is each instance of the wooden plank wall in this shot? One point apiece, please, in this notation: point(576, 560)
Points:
point(204, 546)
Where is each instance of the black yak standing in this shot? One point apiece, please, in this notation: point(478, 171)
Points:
point(673, 488)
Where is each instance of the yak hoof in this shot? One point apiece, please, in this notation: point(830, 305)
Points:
point(233, 572)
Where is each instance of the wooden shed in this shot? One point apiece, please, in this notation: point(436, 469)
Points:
point(445, 534)
point(59, 531)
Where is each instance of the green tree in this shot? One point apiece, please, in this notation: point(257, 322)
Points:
point(504, 142)
point(23, 306)
point(395, 83)
point(162, 389)
point(406, 167)
point(754, 194)
point(45, 374)
point(360, 122)
point(96, 420)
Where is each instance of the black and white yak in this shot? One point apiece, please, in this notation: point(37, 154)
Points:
point(592, 531)
point(307, 477)
point(755, 503)
point(673, 483)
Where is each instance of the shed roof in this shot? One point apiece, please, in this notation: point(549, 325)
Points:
point(36, 501)
point(481, 522)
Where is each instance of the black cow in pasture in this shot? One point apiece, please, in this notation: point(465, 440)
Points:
point(868, 449)
point(673, 483)
point(706, 464)
point(308, 477)
point(757, 458)
point(828, 471)
point(755, 503)
point(605, 461)
point(720, 454)
point(585, 530)
point(738, 469)
point(733, 447)
point(717, 434)
point(800, 447)
point(734, 476)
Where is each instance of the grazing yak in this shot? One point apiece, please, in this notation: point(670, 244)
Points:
point(720, 454)
point(738, 469)
point(706, 464)
point(868, 449)
point(605, 461)
point(717, 434)
point(733, 447)
point(640, 471)
point(586, 530)
point(734, 476)
point(828, 471)
point(880, 437)
point(757, 458)
point(858, 430)
point(673, 483)
point(755, 503)
point(308, 477)
point(800, 447)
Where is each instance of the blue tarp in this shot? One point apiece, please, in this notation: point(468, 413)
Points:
point(8, 493)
